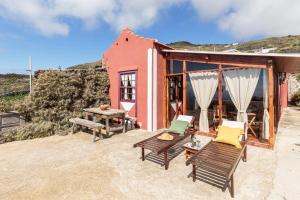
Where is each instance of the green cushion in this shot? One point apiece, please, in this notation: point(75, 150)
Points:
point(178, 126)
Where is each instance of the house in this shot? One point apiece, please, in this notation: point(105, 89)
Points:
point(154, 83)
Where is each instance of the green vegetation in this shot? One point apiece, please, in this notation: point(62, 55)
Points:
point(14, 98)
point(295, 99)
point(286, 44)
point(13, 83)
point(59, 95)
point(298, 77)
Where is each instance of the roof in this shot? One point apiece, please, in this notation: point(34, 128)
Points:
point(284, 62)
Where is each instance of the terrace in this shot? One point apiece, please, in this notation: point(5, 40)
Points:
point(70, 167)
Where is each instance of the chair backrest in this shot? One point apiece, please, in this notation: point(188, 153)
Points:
point(235, 124)
point(186, 118)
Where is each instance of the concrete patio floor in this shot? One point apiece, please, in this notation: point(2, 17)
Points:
point(73, 167)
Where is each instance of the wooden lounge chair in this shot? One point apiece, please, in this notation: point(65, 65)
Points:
point(216, 162)
point(161, 146)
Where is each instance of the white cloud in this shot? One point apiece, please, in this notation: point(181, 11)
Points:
point(248, 18)
point(48, 16)
point(211, 9)
point(37, 14)
point(242, 18)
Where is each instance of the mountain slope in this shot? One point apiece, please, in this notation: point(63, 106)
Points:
point(286, 44)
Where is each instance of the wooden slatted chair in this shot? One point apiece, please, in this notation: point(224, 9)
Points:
point(160, 146)
point(216, 162)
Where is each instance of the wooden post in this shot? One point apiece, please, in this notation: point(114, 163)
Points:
point(271, 101)
point(220, 93)
point(165, 113)
point(176, 94)
point(184, 86)
point(167, 101)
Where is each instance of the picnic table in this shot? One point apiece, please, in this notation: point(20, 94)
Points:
point(107, 115)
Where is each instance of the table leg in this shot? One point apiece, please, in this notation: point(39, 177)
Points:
point(194, 173)
point(94, 133)
point(186, 154)
point(107, 126)
point(94, 118)
point(166, 160)
point(143, 154)
point(245, 154)
point(0, 123)
point(123, 123)
point(231, 188)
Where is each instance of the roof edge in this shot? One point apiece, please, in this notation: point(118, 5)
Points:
point(234, 53)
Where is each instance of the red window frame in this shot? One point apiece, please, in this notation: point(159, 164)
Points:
point(131, 90)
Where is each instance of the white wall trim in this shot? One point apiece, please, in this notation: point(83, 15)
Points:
point(154, 90)
point(149, 91)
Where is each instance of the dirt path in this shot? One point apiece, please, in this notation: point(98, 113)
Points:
point(287, 174)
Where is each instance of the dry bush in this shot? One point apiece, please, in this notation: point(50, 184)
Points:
point(5, 106)
point(30, 131)
point(58, 96)
point(295, 99)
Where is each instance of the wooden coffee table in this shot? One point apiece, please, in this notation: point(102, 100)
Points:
point(190, 150)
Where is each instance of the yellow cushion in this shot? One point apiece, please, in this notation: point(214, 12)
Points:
point(229, 135)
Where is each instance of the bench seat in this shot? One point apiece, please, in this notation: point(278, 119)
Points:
point(94, 126)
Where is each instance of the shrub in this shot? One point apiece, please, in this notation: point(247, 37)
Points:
point(5, 106)
point(30, 131)
point(58, 96)
point(295, 99)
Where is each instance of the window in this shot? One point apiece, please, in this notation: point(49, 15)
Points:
point(127, 87)
point(175, 66)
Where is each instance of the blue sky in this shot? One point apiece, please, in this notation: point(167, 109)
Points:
point(67, 32)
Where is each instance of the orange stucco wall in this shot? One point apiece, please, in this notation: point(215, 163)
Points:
point(129, 52)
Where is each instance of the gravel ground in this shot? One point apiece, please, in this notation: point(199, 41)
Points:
point(73, 167)
point(287, 175)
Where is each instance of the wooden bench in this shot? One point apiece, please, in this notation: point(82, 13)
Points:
point(96, 127)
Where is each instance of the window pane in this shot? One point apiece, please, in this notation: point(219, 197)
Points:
point(192, 66)
point(133, 94)
point(176, 67)
point(127, 87)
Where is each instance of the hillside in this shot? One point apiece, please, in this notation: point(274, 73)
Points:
point(86, 65)
point(13, 84)
point(286, 44)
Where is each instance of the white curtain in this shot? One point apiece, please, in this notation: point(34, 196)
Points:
point(204, 85)
point(133, 86)
point(241, 85)
point(266, 116)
